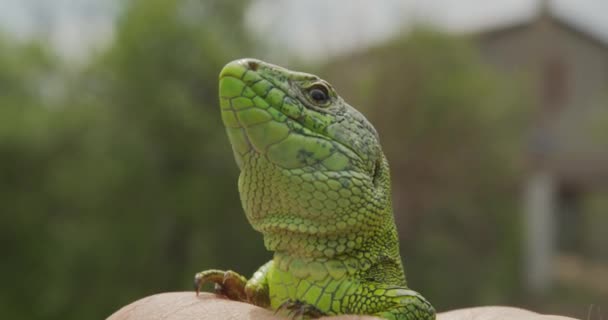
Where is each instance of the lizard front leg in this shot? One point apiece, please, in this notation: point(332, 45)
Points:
point(400, 303)
point(256, 288)
point(236, 287)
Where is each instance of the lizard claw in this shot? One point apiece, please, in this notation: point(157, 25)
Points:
point(226, 283)
point(297, 309)
point(197, 283)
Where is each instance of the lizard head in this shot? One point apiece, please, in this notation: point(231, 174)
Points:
point(311, 165)
point(296, 119)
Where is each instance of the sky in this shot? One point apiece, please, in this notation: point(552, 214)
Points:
point(317, 28)
point(74, 27)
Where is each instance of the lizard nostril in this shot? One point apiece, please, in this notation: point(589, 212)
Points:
point(253, 65)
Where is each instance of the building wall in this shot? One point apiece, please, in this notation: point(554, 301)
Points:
point(568, 72)
point(564, 117)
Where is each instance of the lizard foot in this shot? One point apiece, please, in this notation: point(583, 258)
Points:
point(298, 310)
point(227, 283)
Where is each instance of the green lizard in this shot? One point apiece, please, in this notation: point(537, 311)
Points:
point(315, 183)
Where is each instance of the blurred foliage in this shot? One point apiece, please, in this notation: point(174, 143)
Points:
point(124, 185)
point(595, 221)
point(25, 149)
point(452, 130)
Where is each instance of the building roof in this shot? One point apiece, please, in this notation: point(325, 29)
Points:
point(546, 11)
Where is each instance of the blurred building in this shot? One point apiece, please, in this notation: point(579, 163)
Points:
point(567, 68)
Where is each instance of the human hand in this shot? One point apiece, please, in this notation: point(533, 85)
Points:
point(188, 306)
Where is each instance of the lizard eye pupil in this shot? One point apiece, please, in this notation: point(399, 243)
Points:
point(319, 94)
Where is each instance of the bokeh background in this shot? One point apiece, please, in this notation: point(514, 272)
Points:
point(117, 180)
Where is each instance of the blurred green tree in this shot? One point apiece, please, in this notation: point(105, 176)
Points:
point(453, 131)
point(25, 72)
point(125, 184)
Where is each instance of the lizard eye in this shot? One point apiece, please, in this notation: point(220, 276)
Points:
point(319, 94)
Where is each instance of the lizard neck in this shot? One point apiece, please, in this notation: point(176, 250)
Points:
point(376, 260)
